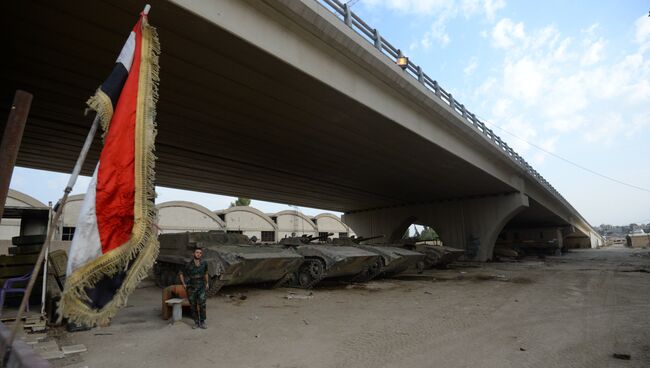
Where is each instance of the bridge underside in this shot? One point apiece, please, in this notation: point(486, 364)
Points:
point(232, 119)
point(235, 120)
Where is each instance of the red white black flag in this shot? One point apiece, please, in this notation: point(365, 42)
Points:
point(115, 243)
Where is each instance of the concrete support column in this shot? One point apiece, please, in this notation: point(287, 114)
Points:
point(471, 224)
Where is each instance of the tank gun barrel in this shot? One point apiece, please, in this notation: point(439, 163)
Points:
point(364, 238)
point(319, 238)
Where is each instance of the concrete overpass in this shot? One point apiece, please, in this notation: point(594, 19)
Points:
point(283, 100)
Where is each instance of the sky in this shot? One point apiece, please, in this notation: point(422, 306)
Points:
point(572, 78)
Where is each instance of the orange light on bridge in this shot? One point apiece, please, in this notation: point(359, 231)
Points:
point(402, 61)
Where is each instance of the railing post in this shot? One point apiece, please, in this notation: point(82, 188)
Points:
point(420, 75)
point(451, 101)
point(436, 88)
point(347, 15)
point(377, 40)
point(463, 111)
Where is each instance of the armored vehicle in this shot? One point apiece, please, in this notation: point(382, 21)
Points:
point(326, 261)
point(394, 260)
point(523, 248)
point(436, 256)
point(232, 259)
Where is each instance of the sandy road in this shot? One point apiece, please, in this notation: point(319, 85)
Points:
point(570, 311)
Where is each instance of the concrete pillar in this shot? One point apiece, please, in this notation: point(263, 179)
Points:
point(472, 224)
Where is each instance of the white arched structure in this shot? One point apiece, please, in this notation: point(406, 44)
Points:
point(250, 222)
point(20, 199)
point(293, 222)
point(11, 227)
point(330, 223)
point(69, 216)
point(180, 216)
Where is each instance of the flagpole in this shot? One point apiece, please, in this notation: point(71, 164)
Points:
point(55, 220)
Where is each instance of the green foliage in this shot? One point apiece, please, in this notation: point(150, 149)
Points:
point(428, 234)
point(241, 202)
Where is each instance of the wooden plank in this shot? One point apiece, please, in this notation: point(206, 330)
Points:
point(14, 260)
point(7, 272)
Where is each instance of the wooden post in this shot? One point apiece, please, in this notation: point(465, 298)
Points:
point(50, 232)
point(11, 139)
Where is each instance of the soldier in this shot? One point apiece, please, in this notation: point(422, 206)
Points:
point(196, 272)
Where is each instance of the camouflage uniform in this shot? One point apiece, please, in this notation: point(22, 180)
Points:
point(195, 280)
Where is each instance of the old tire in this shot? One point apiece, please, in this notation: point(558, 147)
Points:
point(310, 273)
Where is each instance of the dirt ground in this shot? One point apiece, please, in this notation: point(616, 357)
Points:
point(570, 311)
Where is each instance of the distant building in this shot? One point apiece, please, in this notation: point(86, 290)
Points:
point(11, 227)
point(250, 222)
point(638, 239)
point(294, 223)
point(328, 223)
point(69, 217)
point(181, 216)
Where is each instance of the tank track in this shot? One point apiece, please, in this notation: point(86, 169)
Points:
point(369, 273)
point(215, 286)
point(285, 281)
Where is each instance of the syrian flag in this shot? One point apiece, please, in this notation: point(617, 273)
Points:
point(115, 243)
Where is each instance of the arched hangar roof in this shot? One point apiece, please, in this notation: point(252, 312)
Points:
point(249, 209)
point(194, 206)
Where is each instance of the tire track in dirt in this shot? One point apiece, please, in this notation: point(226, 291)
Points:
point(370, 349)
point(431, 337)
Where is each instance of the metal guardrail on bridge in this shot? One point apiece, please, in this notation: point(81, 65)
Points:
point(372, 35)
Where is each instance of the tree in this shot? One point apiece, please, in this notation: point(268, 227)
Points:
point(428, 234)
point(241, 202)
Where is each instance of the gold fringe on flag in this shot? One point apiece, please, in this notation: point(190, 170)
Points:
point(138, 255)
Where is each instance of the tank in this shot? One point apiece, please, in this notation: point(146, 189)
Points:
point(326, 261)
point(232, 259)
point(436, 256)
point(523, 248)
point(394, 260)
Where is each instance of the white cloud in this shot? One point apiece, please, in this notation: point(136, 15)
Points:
point(642, 30)
point(591, 30)
point(549, 146)
point(568, 88)
point(502, 108)
point(524, 79)
point(594, 53)
point(488, 7)
point(545, 38)
point(565, 124)
point(506, 32)
point(605, 129)
point(565, 97)
point(638, 123)
point(561, 54)
point(523, 131)
point(471, 67)
point(436, 33)
point(443, 11)
point(425, 7)
point(492, 6)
